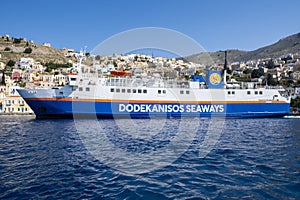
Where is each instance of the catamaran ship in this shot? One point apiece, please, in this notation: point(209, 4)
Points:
point(137, 97)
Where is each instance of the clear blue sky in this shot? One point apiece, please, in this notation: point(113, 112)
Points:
point(215, 24)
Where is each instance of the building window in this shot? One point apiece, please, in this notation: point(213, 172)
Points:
point(164, 91)
point(159, 91)
point(145, 91)
point(117, 90)
point(128, 90)
point(123, 90)
point(139, 91)
point(112, 89)
point(187, 92)
point(87, 89)
point(233, 92)
point(134, 91)
point(80, 89)
point(181, 92)
point(256, 92)
point(229, 92)
point(260, 92)
point(248, 92)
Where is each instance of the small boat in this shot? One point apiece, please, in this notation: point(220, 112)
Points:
point(120, 73)
point(292, 116)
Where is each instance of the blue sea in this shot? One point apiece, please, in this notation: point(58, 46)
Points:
point(149, 158)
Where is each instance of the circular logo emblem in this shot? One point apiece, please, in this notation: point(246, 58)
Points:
point(215, 79)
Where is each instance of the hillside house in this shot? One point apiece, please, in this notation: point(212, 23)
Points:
point(16, 76)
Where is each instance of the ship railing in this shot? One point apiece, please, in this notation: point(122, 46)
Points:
point(148, 84)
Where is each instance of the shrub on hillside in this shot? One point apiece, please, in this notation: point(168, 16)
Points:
point(28, 50)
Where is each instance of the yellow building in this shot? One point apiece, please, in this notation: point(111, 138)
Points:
point(15, 105)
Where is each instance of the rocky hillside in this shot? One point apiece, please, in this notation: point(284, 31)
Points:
point(15, 48)
point(290, 44)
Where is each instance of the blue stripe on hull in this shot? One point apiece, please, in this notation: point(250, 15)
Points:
point(69, 109)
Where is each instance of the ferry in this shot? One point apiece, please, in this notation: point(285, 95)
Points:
point(95, 95)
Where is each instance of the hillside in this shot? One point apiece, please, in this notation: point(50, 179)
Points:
point(290, 44)
point(13, 49)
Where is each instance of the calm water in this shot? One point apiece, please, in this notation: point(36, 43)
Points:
point(100, 159)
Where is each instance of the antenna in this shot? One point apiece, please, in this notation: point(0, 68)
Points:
point(80, 57)
point(225, 63)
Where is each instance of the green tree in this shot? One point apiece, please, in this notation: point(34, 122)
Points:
point(295, 102)
point(97, 57)
point(11, 63)
point(247, 71)
point(270, 64)
point(22, 84)
point(7, 49)
point(256, 73)
point(50, 66)
point(17, 40)
point(28, 50)
point(115, 64)
point(3, 77)
point(271, 81)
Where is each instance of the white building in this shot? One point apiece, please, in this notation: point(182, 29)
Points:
point(25, 63)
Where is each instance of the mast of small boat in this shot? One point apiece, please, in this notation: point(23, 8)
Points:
point(225, 69)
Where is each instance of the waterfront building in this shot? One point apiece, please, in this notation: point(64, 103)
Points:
point(13, 103)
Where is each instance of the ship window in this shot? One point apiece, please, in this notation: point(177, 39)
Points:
point(123, 90)
point(256, 92)
point(187, 92)
point(260, 92)
point(181, 92)
point(117, 90)
point(73, 79)
point(248, 92)
point(159, 91)
point(128, 90)
point(134, 91)
point(139, 91)
point(87, 89)
point(112, 89)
